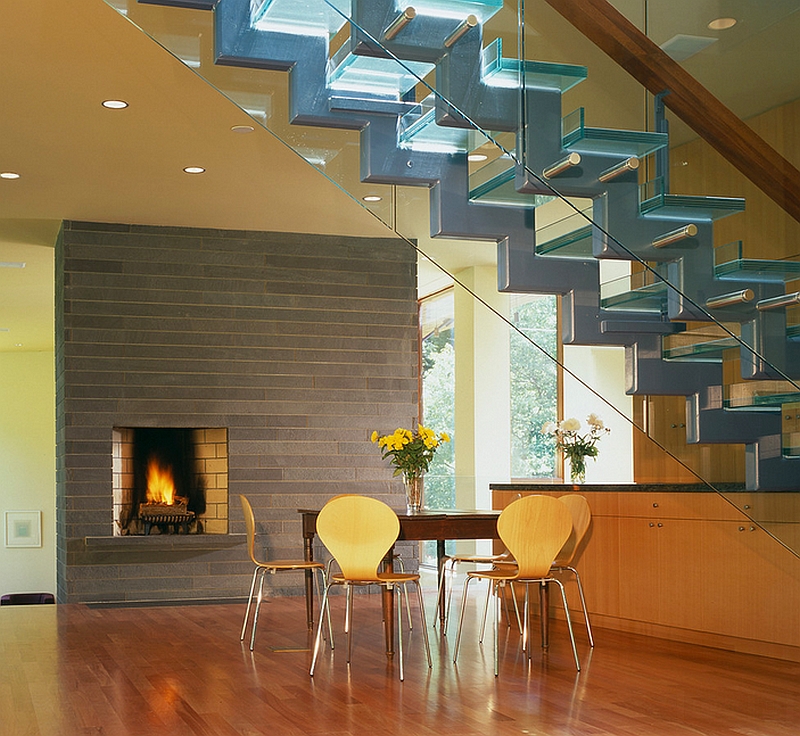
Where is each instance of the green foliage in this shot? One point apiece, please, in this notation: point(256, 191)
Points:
point(534, 387)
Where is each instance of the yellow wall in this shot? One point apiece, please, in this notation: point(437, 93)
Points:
point(27, 466)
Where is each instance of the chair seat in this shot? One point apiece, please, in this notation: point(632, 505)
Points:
point(382, 578)
point(291, 565)
point(510, 573)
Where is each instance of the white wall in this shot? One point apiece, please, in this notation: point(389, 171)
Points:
point(27, 467)
point(603, 370)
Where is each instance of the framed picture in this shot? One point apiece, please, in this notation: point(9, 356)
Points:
point(23, 528)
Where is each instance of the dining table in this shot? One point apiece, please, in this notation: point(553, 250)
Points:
point(440, 525)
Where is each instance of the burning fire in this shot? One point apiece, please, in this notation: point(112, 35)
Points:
point(160, 483)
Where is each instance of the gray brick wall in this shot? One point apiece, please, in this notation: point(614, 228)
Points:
point(300, 345)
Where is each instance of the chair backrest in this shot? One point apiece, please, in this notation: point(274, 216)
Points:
point(358, 531)
point(581, 517)
point(534, 529)
point(250, 524)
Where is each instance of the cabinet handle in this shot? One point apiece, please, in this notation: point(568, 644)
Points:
point(747, 506)
point(660, 525)
point(741, 528)
point(752, 528)
point(655, 505)
point(652, 524)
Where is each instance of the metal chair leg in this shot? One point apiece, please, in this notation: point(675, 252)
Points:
point(569, 620)
point(249, 603)
point(258, 608)
point(318, 637)
point(461, 617)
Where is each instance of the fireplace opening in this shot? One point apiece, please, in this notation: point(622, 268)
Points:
point(170, 480)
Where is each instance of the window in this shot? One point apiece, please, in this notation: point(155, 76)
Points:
point(534, 384)
point(438, 394)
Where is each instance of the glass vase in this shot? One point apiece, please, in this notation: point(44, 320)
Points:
point(577, 470)
point(413, 484)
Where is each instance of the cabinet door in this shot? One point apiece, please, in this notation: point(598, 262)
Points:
point(664, 419)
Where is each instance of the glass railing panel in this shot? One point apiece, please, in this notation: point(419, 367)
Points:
point(518, 221)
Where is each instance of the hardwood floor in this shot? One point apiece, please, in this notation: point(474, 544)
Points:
point(181, 670)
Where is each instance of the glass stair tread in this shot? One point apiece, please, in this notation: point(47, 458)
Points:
point(577, 137)
point(656, 203)
point(704, 350)
point(500, 72)
point(302, 18)
point(760, 394)
point(649, 298)
point(575, 244)
point(483, 10)
point(374, 75)
point(763, 269)
point(420, 131)
point(494, 183)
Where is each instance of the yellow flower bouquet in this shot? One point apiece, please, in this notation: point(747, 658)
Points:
point(411, 454)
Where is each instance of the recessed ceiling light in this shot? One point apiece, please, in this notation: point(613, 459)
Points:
point(242, 128)
point(722, 24)
point(9, 175)
point(372, 198)
point(194, 169)
point(477, 157)
point(115, 104)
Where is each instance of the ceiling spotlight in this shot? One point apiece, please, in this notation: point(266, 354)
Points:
point(372, 198)
point(194, 169)
point(242, 128)
point(115, 104)
point(475, 157)
point(722, 24)
point(9, 175)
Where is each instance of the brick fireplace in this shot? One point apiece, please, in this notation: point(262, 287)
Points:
point(206, 459)
point(284, 349)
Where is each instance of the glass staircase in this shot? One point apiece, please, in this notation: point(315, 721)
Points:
point(383, 96)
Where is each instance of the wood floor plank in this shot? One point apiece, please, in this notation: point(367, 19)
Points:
point(182, 671)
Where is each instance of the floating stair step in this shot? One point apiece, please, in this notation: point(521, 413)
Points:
point(374, 75)
point(575, 136)
point(730, 264)
point(483, 10)
point(577, 244)
point(513, 73)
point(420, 132)
point(494, 184)
point(655, 202)
point(301, 18)
point(760, 394)
point(649, 298)
point(641, 290)
point(703, 344)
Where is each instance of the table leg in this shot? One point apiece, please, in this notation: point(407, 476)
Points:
point(441, 558)
point(308, 554)
point(544, 613)
point(387, 595)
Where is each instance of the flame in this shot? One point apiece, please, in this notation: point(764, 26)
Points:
point(160, 482)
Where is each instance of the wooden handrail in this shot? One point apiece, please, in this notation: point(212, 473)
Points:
point(614, 34)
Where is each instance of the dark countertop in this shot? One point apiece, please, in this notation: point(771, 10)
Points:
point(616, 487)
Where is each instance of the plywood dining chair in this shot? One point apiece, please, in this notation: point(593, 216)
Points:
point(359, 531)
point(581, 518)
point(534, 529)
point(262, 567)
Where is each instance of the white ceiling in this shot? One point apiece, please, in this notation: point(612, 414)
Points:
point(80, 161)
